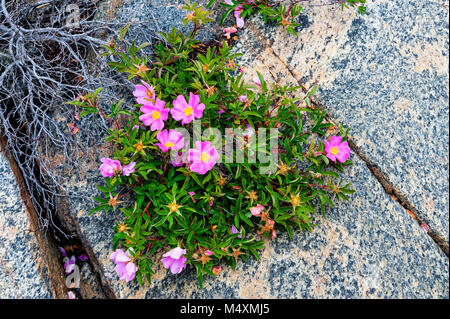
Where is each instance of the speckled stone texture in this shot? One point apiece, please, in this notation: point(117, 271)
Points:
point(23, 273)
point(368, 247)
point(385, 76)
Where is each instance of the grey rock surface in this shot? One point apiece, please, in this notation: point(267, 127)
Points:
point(368, 247)
point(23, 271)
point(385, 76)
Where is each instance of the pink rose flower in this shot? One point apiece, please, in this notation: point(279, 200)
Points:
point(337, 150)
point(109, 167)
point(257, 210)
point(187, 112)
point(228, 31)
point(237, 14)
point(203, 157)
point(170, 140)
point(128, 169)
point(243, 98)
point(154, 114)
point(175, 260)
point(144, 93)
point(125, 268)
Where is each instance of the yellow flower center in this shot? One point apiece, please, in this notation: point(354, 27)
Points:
point(169, 145)
point(113, 201)
point(334, 151)
point(284, 169)
point(188, 111)
point(222, 181)
point(173, 207)
point(190, 16)
point(204, 157)
point(253, 195)
point(295, 200)
point(156, 115)
point(149, 94)
point(139, 146)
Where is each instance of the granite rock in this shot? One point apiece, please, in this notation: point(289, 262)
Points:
point(385, 76)
point(23, 270)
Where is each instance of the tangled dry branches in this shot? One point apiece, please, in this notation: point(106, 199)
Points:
point(44, 61)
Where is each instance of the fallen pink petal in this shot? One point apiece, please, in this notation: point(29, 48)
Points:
point(69, 265)
point(228, 31)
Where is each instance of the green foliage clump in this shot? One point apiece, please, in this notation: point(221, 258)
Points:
point(283, 13)
point(209, 214)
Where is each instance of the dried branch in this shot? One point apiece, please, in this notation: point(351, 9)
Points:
point(44, 63)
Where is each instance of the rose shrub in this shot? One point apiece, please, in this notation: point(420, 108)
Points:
point(179, 193)
point(283, 13)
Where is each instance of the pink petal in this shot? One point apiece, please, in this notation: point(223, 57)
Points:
point(130, 270)
point(198, 168)
point(342, 156)
point(147, 108)
point(175, 253)
point(240, 22)
point(177, 114)
point(180, 102)
point(157, 125)
point(147, 119)
point(167, 262)
point(335, 141)
point(194, 100)
point(331, 157)
point(327, 147)
point(121, 256)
